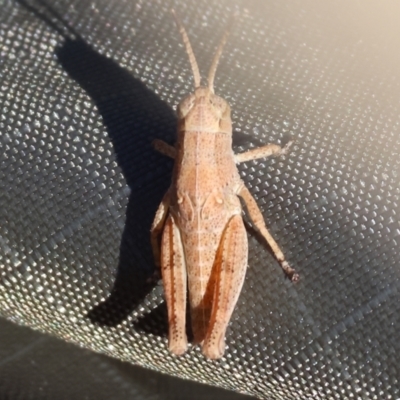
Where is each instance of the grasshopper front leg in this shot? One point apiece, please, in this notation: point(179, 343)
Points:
point(164, 148)
point(262, 152)
point(230, 269)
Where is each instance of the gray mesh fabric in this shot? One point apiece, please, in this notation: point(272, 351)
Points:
point(86, 86)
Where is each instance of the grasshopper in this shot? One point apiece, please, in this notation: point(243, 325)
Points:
point(204, 246)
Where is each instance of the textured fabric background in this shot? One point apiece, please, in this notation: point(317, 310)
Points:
point(86, 86)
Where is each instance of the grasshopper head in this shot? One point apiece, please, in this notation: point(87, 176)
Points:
point(204, 111)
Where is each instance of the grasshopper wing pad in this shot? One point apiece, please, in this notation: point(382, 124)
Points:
point(230, 267)
point(173, 269)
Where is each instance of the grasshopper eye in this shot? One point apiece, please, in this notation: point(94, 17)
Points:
point(186, 105)
point(218, 104)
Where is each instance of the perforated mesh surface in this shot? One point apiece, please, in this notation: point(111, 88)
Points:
point(86, 86)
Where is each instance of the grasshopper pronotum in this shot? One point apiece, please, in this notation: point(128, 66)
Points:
point(204, 243)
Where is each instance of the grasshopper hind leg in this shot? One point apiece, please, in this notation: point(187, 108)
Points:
point(173, 270)
point(231, 265)
point(258, 220)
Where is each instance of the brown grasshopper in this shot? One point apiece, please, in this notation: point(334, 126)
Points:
point(204, 242)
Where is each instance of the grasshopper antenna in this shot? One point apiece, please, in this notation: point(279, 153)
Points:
point(189, 50)
point(214, 64)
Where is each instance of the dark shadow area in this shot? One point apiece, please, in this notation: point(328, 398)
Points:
point(133, 116)
point(131, 113)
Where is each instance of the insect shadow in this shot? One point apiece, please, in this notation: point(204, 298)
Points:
point(128, 109)
point(133, 115)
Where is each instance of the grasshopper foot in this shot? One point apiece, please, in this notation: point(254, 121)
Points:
point(285, 150)
point(290, 272)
